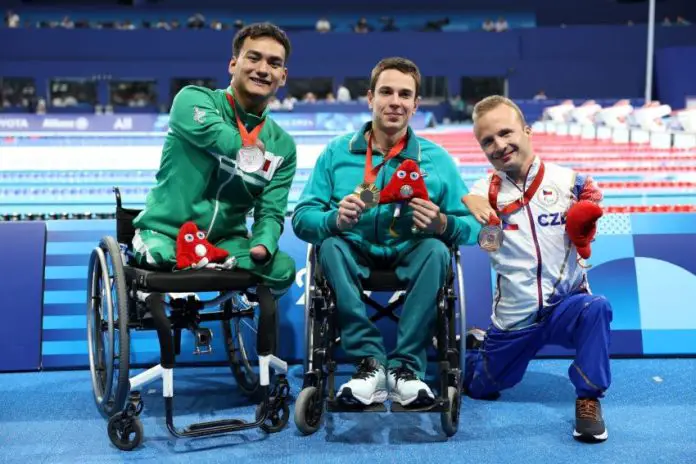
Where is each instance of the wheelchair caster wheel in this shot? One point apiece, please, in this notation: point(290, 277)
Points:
point(126, 433)
point(450, 418)
point(308, 410)
point(277, 418)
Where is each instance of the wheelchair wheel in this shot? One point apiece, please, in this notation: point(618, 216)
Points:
point(450, 419)
point(107, 327)
point(126, 433)
point(309, 409)
point(277, 417)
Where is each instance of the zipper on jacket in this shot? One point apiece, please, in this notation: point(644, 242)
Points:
point(381, 187)
point(538, 253)
point(217, 196)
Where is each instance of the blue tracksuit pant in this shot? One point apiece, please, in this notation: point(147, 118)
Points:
point(581, 321)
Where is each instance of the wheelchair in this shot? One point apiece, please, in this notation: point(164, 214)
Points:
point(123, 297)
point(322, 336)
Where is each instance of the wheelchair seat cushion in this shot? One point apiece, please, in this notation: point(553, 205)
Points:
point(201, 280)
point(383, 280)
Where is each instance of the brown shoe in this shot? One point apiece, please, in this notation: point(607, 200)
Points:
point(589, 424)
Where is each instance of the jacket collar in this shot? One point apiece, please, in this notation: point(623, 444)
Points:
point(248, 119)
point(358, 143)
point(533, 170)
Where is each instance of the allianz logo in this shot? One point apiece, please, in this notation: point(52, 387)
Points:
point(16, 123)
point(56, 123)
point(123, 123)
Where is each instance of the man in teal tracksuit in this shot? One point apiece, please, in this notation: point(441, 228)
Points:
point(355, 237)
point(222, 157)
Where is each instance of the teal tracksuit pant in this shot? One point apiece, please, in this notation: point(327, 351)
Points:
point(423, 267)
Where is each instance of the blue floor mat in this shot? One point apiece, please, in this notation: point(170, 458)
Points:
point(650, 411)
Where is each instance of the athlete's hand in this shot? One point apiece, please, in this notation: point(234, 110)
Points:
point(349, 211)
point(480, 208)
point(427, 216)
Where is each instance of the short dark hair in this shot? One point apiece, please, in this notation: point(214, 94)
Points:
point(404, 65)
point(258, 30)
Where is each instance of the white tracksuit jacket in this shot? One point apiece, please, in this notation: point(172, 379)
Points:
point(537, 265)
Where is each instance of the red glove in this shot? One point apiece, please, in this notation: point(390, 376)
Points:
point(581, 225)
point(407, 183)
point(193, 250)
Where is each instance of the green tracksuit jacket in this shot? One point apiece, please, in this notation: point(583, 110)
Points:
point(198, 181)
point(340, 169)
point(420, 260)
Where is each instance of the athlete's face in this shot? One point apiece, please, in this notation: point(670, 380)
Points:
point(505, 140)
point(260, 67)
point(394, 100)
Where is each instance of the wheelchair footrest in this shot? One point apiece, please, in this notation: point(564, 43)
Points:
point(220, 423)
point(339, 406)
point(203, 429)
point(440, 405)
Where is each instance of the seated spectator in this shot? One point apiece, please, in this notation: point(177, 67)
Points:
point(67, 23)
point(162, 24)
point(682, 22)
point(12, 19)
point(458, 107)
point(289, 103)
point(343, 94)
point(501, 25)
point(196, 21)
point(274, 103)
point(541, 95)
point(389, 24)
point(323, 25)
point(488, 25)
point(362, 27)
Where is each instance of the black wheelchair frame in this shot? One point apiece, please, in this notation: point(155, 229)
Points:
point(124, 297)
point(322, 335)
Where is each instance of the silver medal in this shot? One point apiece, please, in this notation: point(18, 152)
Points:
point(491, 238)
point(250, 159)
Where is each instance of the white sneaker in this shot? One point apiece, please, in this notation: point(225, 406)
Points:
point(407, 389)
point(368, 385)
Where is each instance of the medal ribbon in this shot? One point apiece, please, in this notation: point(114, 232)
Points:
point(494, 190)
point(370, 172)
point(248, 139)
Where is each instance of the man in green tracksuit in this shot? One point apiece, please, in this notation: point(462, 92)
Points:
point(222, 157)
point(355, 237)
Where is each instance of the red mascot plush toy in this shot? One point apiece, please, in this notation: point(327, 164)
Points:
point(406, 184)
point(194, 251)
point(581, 225)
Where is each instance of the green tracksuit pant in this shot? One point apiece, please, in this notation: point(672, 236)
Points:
point(159, 250)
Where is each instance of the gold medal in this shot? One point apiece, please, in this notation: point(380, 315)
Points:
point(368, 193)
